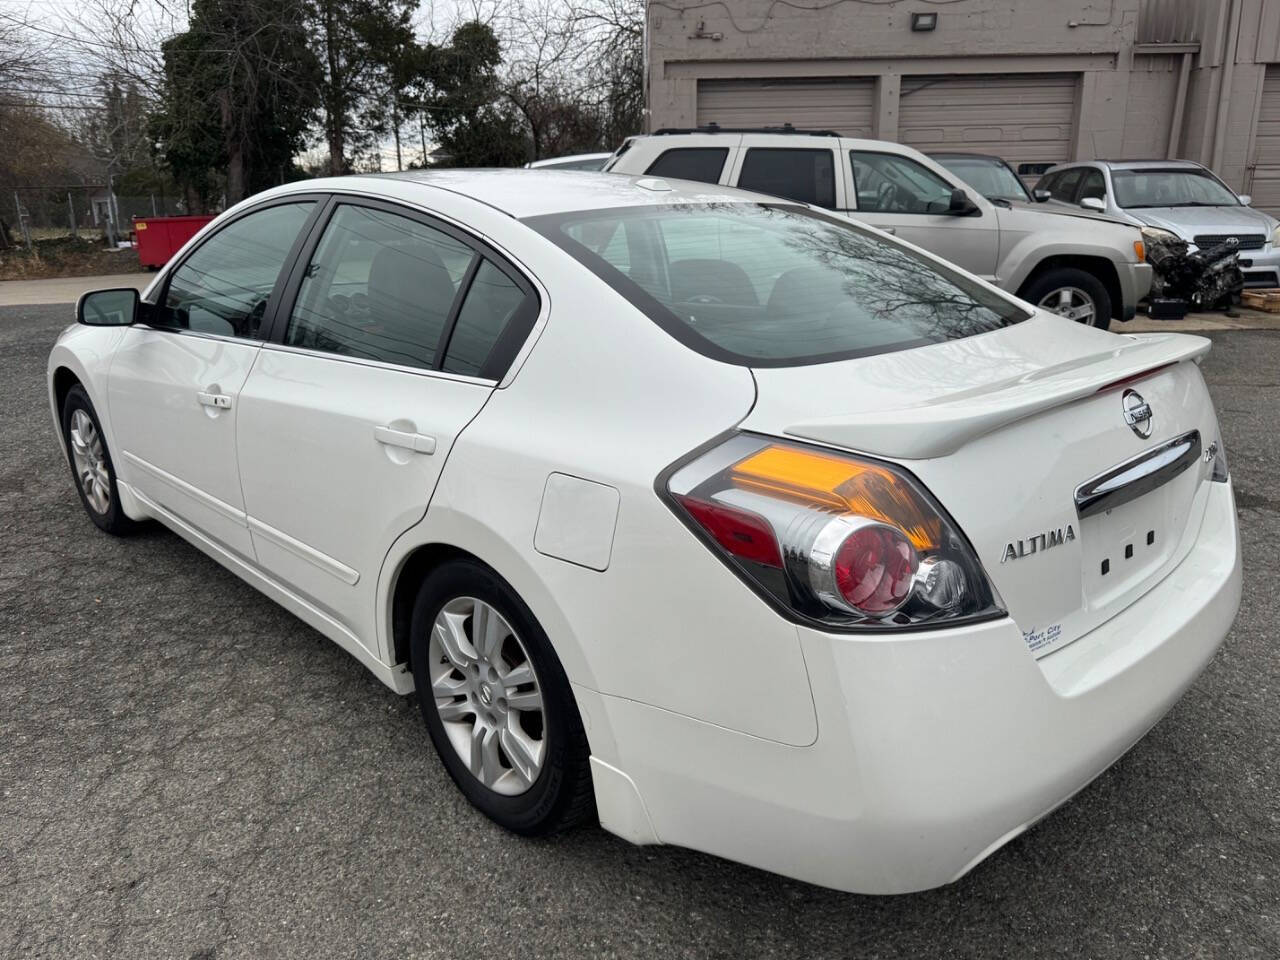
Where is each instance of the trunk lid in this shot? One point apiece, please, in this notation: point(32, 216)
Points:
point(1004, 428)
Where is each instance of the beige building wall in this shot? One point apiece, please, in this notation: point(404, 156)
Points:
point(1129, 58)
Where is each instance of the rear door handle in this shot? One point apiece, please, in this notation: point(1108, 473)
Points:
point(417, 442)
point(219, 400)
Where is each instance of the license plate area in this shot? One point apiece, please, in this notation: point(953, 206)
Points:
point(1128, 544)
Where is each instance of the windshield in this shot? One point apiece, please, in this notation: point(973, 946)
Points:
point(1170, 188)
point(774, 285)
point(990, 177)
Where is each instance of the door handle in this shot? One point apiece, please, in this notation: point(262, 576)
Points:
point(417, 442)
point(219, 400)
point(892, 230)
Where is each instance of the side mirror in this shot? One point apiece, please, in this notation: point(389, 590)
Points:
point(108, 308)
point(1041, 195)
point(960, 205)
point(1093, 203)
point(1246, 199)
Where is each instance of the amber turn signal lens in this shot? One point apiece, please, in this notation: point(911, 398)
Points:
point(1139, 250)
point(841, 484)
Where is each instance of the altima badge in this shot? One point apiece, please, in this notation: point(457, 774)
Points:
point(1137, 413)
point(1038, 543)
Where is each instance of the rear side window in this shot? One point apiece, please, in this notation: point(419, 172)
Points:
point(771, 285)
point(493, 301)
point(380, 287)
point(691, 163)
point(805, 175)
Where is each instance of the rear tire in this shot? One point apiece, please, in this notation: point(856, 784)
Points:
point(524, 767)
point(91, 467)
point(1069, 290)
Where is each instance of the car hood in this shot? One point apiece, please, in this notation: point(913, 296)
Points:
point(1062, 210)
point(1188, 222)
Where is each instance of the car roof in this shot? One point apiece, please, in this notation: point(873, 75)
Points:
point(1152, 164)
point(522, 193)
point(965, 153)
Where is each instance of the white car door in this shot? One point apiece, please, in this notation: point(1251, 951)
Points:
point(906, 198)
point(393, 332)
point(174, 382)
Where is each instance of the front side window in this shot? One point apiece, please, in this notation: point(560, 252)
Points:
point(804, 175)
point(224, 286)
point(691, 163)
point(1170, 188)
point(888, 183)
point(776, 285)
point(1094, 186)
point(1064, 188)
point(379, 287)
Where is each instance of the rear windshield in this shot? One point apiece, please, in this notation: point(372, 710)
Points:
point(775, 285)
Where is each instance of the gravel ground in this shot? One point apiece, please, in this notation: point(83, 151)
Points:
point(188, 771)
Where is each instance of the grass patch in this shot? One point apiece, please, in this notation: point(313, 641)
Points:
point(65, 257)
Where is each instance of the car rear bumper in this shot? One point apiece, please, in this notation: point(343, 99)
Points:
point(934, 749)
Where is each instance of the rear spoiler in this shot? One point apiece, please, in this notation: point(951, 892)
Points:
point(941, 426)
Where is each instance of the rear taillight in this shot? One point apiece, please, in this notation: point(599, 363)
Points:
point(837, 539)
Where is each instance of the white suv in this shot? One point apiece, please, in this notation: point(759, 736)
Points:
point(1086, 267)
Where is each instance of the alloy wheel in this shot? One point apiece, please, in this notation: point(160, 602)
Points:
point(1070, 302)
point(487, 695)
point(90, 462)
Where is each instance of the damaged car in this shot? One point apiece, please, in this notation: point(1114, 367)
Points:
point(1205, 242)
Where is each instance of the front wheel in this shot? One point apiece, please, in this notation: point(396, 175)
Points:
point(497, 703)
point(91, 466)
point(1072, 293)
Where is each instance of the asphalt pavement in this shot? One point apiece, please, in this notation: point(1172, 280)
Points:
point(187, 771)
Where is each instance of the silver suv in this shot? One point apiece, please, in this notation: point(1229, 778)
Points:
point(1171, 196)
point(1087, 266)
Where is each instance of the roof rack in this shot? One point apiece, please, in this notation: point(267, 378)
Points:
point(716, 128)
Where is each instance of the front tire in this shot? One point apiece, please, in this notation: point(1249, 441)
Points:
point(497, 703)
point(91, 466)
point(1072, 293)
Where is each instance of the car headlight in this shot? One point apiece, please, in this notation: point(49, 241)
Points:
point(1160, 236)
point(1275, 236)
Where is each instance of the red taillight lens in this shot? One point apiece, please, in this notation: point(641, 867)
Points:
point(742, 533)
point(832, 537)
point(873, 569)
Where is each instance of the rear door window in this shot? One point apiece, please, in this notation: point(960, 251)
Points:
point(379, 287)
point(805, 175)
point(691, 163)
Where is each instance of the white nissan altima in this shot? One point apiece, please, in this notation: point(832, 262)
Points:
point(735, 523)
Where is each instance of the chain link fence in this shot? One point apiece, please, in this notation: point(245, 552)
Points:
point(82, 210)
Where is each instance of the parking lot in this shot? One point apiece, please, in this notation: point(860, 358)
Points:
point(188, 771)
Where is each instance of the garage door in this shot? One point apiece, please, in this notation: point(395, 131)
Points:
point(1266, 175)
point(841, 105)
point(1024, 118)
